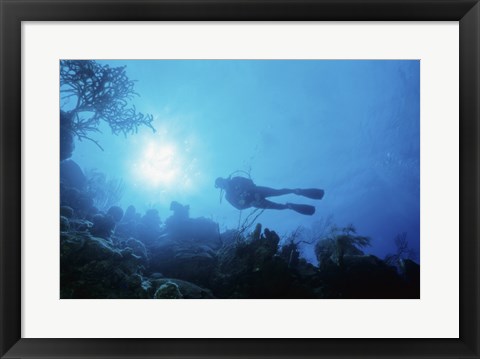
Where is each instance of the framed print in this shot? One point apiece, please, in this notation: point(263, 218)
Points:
point(239, 179)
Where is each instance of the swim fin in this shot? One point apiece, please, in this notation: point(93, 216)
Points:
point(313, 193)
point(302, 208)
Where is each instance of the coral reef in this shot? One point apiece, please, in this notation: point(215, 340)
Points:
point(168, 290)
point(339, 243)
point(92, 93)
point(92, 267)
point(130, 255)
point(71, 175)
point(403, 251)
point(250, 268)
point(105, 193)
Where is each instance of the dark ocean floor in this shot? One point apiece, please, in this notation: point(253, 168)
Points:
point(117, 255)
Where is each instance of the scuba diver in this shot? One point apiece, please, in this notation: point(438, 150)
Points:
point(242, 193)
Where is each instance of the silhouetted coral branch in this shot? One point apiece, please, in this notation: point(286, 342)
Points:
point(106, 193)
point(245, 225)
point(338, 243)
point(102, 93)
point(403, 251)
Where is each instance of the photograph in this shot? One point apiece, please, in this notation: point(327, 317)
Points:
point(239, 179)
point(304, 173)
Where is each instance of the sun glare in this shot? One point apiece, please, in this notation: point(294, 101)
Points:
point(160, 165)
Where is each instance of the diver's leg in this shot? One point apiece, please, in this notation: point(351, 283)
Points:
point(266, 204)
point(299, 208)
point(302, 208)
point(270, 192)
point(313, 193)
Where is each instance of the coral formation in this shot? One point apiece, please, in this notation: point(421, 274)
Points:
point(92, 93)
point(403, 251)
point(168, 290)
point(339, 243)
point(129, 255)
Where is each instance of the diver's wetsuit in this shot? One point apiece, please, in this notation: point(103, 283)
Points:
point(242, 193)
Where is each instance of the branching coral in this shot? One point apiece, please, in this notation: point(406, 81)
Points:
point(247, 223)
point(98, 93)
point(403, 251)
point(106, 193)
point(340, 242)
point(290, 250)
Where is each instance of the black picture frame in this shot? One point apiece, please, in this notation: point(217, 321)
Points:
point(13, 12)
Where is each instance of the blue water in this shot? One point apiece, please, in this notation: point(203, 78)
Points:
point(351, 128)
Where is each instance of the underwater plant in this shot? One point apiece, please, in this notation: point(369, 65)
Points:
point(403, 251)
point(296, 245)
point(290, 250)
point(338, 243)
point(91, 93)
point(105, 193)
point(247, 223)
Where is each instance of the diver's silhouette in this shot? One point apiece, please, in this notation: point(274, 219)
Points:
point(242, 193)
